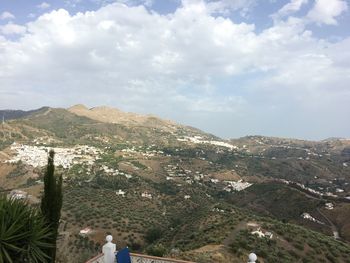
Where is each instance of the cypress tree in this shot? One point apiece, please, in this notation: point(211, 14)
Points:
point(51, 202)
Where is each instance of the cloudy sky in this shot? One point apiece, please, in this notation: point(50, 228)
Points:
point(229, 67)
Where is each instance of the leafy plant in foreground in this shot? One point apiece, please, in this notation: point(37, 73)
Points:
point(24, 234)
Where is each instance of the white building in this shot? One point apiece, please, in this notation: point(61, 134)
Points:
point(146, 195)
point(120, 193)
point(262, 234)
point(85, 231)
point(329, 206)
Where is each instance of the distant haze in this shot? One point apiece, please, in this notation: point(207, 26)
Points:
point(231, 68)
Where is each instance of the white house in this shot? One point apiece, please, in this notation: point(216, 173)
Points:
point(329, 206)
point(120, 192)
point(85, 231)
point(146, 195)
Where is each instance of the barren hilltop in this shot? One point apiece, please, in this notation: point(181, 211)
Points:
point(113, 115)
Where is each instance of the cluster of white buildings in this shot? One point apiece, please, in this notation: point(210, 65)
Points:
point(189, 176)
point(262, 234)
point(146, 195)
point(36, 156)
point(215, 209)
point(236, 185)
point(175, 170)
point(201, 140)
point(112, 171)
point(308, 152)
point(309, 189)
point(307, 216)
point(255, 229)
point(122, 193)
point(146, 152)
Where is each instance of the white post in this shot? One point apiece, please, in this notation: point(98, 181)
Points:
point(252, 258)
point(108, 250)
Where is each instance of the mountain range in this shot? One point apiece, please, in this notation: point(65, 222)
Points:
point(164, 188)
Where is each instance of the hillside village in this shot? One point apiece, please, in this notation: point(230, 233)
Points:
point(36, 156)
point(86, 156)
point(116, 177)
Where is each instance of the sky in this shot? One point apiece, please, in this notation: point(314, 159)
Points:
point(228, 67)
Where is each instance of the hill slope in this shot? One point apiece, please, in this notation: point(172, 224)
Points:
point(16, 114)
point(164, 188)
point(113, 115)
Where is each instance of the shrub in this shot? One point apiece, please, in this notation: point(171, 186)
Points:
point(24, 234)
point(157, 250)
point(153, 234)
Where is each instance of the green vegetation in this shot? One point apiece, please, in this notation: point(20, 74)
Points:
point(110, 159)
point(186, 211)
point(18, 171)
point(157, 250)
point(266, 248)
point(139, 165)
point(318, 246)
point(24, 235)
point(51, 202)
point(6, 143)
point(153, 234)
point(272, 199)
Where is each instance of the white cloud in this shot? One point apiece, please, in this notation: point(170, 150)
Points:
point(43, 5)
point(12, 29)
point(325, 11)
point(148, 3)
point(221, 6)
point(6, 15)
point(189, 65)
point(225, 6)
point(289, 8)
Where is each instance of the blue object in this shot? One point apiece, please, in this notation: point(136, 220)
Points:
point(123, 256)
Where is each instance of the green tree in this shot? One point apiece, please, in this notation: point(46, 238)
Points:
point(153, 234)
point(51, 202)
point(157, 250)
point(24, 234)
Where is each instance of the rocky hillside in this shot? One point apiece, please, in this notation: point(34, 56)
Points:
point(112, 115)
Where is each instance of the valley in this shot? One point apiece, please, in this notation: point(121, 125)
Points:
point(167, 189)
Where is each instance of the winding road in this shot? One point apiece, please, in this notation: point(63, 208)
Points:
point(333, 227)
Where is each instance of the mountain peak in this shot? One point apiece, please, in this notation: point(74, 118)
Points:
point(78, 107)
point(104, 109)
point(113, 115)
